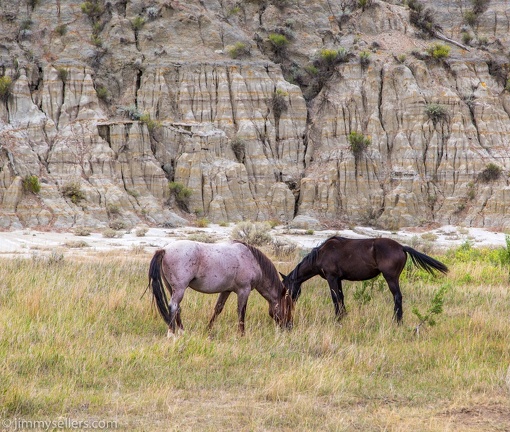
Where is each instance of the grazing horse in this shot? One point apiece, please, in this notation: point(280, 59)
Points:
point(216, 268)
point(340, 258)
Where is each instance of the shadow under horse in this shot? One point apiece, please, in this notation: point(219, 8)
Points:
point(340, 258)
point(216, 268)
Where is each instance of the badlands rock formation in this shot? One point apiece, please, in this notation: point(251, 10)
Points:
point(106, 102)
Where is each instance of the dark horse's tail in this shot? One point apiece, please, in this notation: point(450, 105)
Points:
point(158, 290)
point(425, 262)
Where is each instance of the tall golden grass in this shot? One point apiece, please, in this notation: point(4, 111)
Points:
point(78, 340)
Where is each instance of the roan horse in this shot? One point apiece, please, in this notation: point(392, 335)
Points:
point(340, 258)
point(216, 268)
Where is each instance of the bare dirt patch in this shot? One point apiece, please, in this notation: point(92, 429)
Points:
point(481, 417)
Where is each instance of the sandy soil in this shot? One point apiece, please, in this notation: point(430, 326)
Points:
point(32, 243)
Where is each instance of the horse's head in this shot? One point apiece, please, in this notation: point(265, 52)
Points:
point(282, 311)
point(286, 308)
point(291, 284)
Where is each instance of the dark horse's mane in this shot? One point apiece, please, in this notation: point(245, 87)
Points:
point(267, 267)
point(312, 255)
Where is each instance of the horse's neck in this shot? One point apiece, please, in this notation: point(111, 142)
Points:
point(306, 271)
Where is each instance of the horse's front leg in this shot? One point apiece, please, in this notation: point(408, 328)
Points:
point(337, 295)
point(242, 300)
point(220, 304)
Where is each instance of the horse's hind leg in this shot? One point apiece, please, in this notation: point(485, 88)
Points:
point(337, 295)
point(397, 296)
point(175, 310)
point(219, 307)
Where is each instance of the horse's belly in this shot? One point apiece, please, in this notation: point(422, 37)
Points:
point(361, 276)
point(212, 285)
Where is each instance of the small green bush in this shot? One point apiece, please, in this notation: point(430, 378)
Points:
point(239, 49)
point(467, 38)
point(423, 17)
point(471, 193)
point(5, 86)
point(278, 41)
point(358, 143)
point(92, 9)
point(328, 55)
point(483, 41)
point(140, 232)
point(279, 102)
point(364, 58)
point(137, 23)
point(61, 29)
point(181, 194)
point(234, 11)
point(26, 24)
point(435, 309)
point(401, 58)
point(31, 184)
point(82, 231)
point(480, 6)
point(96, 41)
point(436, 112)
point(102, 93)
point(202, 222)
point(492, 172)
point(363, 293)
point(255, 234)
point(470, 17)
point(111, 233)
point(62, 74)
point(312, 70)
point(117, 225)
point(364, 4)
point(113, 209)
point(151, 124)
point(131, 112)
point(438, 51)
point(96, 28)
point(73, 192)
point(76, 244)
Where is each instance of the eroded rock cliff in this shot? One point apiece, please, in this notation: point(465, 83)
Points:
point(253, 107)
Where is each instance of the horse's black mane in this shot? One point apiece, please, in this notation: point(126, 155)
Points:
point(312, 255)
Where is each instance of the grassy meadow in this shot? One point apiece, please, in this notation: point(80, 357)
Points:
point(78, 340)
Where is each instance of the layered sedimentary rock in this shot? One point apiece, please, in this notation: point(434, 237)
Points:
point(112, 101)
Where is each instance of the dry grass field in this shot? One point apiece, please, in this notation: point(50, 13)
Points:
point(78, 341)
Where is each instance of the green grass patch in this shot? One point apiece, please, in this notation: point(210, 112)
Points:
point(77, 339)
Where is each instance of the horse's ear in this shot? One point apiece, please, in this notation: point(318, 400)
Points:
point(282, 275)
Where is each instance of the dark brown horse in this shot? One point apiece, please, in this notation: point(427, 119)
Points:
point(340, 258)
point(216, 268)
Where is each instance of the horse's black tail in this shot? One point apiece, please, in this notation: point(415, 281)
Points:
point(158, 290)
point(425, 262)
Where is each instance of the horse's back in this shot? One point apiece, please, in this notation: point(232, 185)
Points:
point(209, 267)
point(359, 259)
